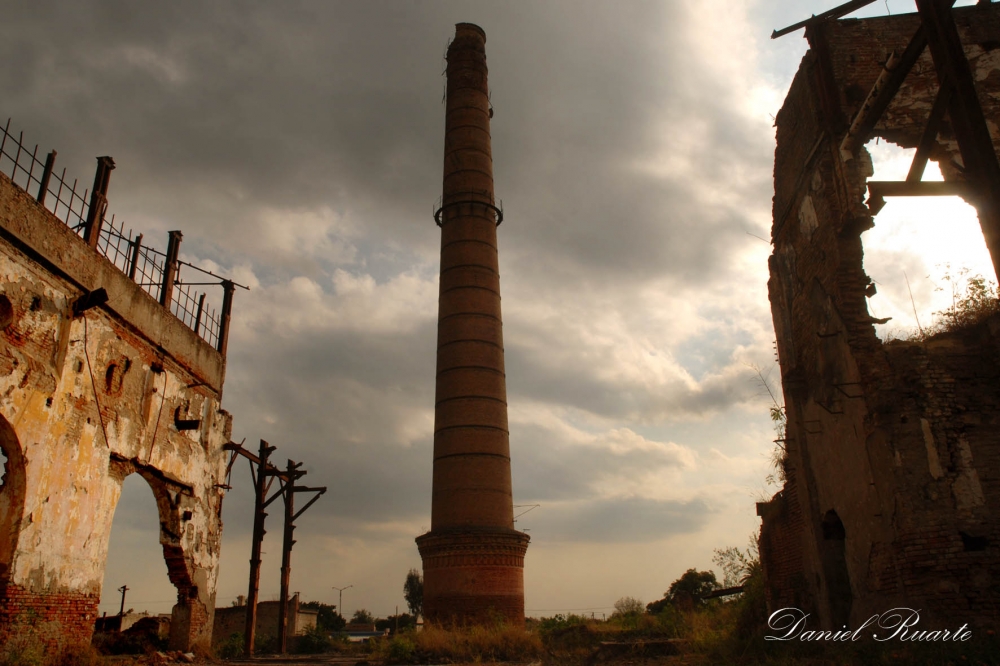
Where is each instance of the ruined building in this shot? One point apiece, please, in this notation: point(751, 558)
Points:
point(473, 557)
point(892, 495)
point(110, 364)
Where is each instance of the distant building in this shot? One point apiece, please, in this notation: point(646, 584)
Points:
point(231, 620)
point(132, 622)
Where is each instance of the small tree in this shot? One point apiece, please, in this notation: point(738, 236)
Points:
point(413, 592)
point(687, 591)
point(628, 606)
point(735, 565)
point(327, 619)
point(363, 616)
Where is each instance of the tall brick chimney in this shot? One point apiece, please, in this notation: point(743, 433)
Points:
point(473, 557)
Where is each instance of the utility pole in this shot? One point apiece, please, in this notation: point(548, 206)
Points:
point(123, 589)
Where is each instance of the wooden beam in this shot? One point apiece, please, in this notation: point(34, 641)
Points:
point(879, 189)
point(882, 94)
point(929, 136)
point(834, 13)
point(974, 141)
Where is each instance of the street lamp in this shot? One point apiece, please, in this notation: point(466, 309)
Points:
point(340, 602)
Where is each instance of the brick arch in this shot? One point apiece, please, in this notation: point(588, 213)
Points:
point(190, 614)
point(12, 494)
point(167, 496)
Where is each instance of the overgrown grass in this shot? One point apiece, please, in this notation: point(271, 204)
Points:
point(31, 642)
point(715, 632)
point(479, 644)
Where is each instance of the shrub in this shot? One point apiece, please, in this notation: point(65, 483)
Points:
point(27, 640)
point(231, 648)
point(977, 304)
point(313, 641)
point(628, 606)
point(80, 655)
point(401, 650)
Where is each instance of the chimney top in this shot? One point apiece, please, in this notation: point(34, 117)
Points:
point(462, 27)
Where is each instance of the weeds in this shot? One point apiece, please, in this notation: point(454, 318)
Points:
point(498, 642)
point(977, 303)
point(30, 642)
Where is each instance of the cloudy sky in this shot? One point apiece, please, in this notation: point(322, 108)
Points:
point(299, 148)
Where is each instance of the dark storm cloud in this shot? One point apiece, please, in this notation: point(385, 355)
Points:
point(300, 105)
point(626, 520)
point(342, 401)
point(552, 465)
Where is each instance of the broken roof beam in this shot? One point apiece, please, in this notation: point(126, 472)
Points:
point(834, 13)
point(879, 189)
point(929, 137)
point(238, 449)
point(881, 95)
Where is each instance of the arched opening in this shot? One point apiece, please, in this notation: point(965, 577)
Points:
point(136, 562)
point(12, 489)
point(833, 552)
point(922, 251)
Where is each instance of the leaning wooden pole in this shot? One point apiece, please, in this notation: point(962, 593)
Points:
point(260, 497)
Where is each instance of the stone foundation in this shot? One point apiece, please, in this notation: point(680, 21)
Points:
point(474, 576)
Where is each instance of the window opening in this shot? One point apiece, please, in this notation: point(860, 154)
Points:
point(927, 247)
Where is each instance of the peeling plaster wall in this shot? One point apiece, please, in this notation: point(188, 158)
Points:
point(84, 402)
point(892, 495)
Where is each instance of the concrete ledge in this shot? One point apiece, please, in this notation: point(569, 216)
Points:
point(47, 239)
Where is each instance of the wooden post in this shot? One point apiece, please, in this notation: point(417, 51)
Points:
point(170, 268)
point(227, 309)
point(136, 247)
point(197, 318)
point(286, 553)
point(260, 493)
point(98, 201)
point(43, 187)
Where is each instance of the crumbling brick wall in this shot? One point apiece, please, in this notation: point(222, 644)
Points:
point(892, 497)
point(230, 620)
point(85, 401)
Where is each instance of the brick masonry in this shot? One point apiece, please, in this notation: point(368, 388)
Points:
point(473, 558)
point(892, 495)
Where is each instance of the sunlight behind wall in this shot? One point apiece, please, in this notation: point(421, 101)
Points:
point(923, 240)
